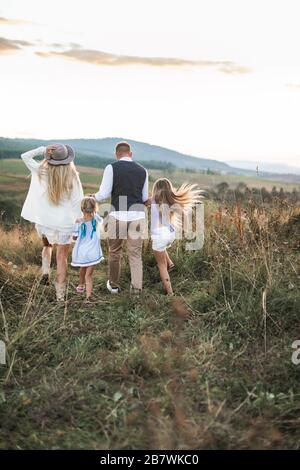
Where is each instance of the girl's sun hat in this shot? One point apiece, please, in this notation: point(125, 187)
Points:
point(60, 154)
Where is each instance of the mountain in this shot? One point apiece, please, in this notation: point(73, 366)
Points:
point(104, 148)
point(280, 168)
point(99, 152)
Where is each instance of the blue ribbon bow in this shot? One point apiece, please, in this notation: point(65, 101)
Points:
point(94, 225)
point(83, 228)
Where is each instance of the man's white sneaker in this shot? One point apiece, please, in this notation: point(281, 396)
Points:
point(112, 290)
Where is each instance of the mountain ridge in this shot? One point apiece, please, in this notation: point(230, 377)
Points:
point(103, 149)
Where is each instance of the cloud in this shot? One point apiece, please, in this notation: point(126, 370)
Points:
point(293, 85)
point(12, 45)
point(11, 21)
point(58, 45)
point(101, 58)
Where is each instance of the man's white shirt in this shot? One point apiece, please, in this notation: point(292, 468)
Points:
point(106, 189)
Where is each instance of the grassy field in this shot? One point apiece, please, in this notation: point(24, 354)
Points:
point(91, 177)
point(209, 368)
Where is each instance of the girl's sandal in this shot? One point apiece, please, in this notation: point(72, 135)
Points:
point(171, 267)
point(80, 289)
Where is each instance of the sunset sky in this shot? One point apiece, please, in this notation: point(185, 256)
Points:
point(212, 78)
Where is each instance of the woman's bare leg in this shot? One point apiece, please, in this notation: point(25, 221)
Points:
point(46, 259)
point(62, 252)
point(89, 281)
point(161, 259)
point(61, 273)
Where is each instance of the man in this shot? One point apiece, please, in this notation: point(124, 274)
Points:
point(127, 184)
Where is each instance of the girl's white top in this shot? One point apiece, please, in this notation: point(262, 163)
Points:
point(38, 209)
point(160, 218)
point(162, 231)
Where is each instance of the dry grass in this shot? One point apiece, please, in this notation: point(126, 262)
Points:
point(210, 368)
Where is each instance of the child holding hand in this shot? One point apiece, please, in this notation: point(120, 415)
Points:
point(87, 251)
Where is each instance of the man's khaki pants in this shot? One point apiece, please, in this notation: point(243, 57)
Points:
point(118, 231)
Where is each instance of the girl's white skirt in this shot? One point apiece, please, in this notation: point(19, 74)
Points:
point(54, 236)
point(162, 238)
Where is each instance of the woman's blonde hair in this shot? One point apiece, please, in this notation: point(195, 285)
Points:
point(88, 205)
point(60, 180)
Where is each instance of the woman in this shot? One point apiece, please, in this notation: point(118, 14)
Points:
point(53, 204)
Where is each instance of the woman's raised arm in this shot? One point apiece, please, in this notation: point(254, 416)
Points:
point(28, 158)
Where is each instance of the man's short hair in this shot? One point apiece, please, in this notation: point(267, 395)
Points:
point(123, 147)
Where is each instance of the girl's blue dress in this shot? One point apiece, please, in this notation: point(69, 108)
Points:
point(87, 250)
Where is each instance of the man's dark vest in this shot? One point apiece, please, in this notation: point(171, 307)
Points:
point(128, 180)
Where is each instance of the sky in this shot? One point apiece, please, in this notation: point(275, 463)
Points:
point(210, 78)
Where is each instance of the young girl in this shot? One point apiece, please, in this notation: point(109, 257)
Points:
point(167, 203)
point(87, 250)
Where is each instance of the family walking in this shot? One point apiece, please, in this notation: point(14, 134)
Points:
point(63, 215)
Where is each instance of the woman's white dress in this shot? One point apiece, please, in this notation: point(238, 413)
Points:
point(54, 222)
point(87, 250)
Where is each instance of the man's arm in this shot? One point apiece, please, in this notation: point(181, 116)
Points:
point(106, 184)
point(145, 189)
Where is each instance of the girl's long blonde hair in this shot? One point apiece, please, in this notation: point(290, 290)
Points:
point(186, 196)
point(179, 200)
point(60, 180)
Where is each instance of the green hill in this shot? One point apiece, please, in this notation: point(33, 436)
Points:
point(104, 149)
point(99, 152)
